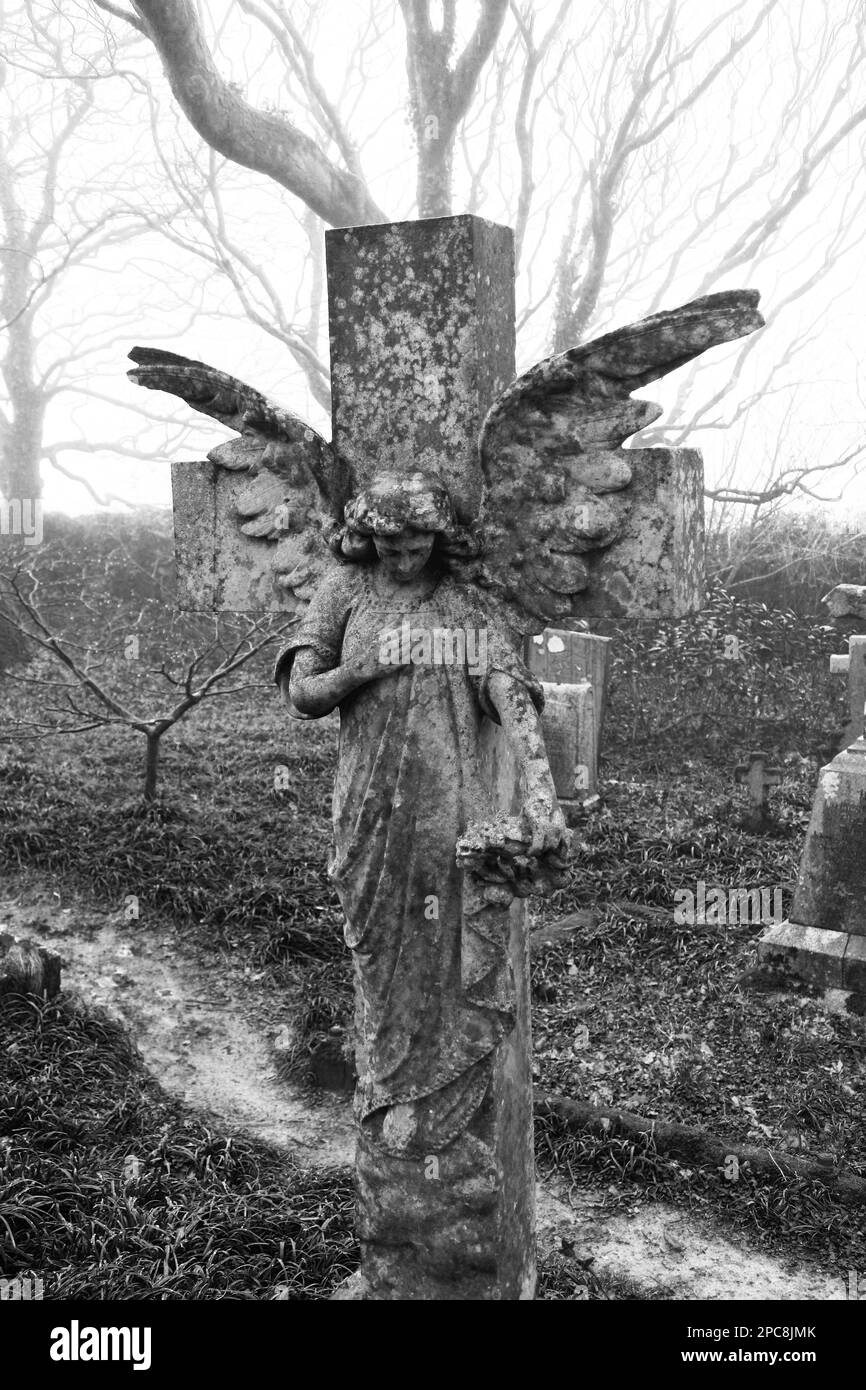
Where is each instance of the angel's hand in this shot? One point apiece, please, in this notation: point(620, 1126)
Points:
point(546, 830)
point(311, 692)
point(500, 851)
point(377, 662)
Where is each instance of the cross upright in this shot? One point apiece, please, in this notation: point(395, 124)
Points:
point(759, 779)
point(422, 331)
point(853, 665)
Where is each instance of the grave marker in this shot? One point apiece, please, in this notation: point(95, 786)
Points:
point(572, 527)
point(759, 779)
point(824, 940)
point(853, 665)
point(573, 668)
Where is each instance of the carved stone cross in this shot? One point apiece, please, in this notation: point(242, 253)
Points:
point(759, 779)
point(853, 665)
point(540, 516)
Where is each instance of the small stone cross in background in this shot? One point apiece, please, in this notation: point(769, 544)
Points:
point(854, 666)
point(759, 779)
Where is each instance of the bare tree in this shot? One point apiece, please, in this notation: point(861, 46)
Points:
point(441, 88)
point(101, 683)
point(266, 141)
point(616, 139)
point(61, 219)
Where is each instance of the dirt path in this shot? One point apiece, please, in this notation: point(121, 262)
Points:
point(203, 1031)
point(206, 1032)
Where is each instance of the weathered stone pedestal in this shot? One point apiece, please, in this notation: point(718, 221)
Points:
point(459, 1224)
point(825, 940)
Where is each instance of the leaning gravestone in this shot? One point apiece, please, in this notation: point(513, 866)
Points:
point(450, 507)
point(573, 669)
point(824, 941)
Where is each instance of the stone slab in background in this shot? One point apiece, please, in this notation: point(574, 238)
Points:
point(656, 568)
point(571, 740)
point(807, 953)
point(26, 968)
point(567, 658)
point(831, 883)
point(846, 601)
point(219, 569)
point(854, 965)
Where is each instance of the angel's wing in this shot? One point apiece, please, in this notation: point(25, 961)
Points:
point(288, 490)
point(564, 502)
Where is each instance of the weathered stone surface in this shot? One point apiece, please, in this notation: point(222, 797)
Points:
point(26, 968)
point(846, 600)
point(853, 665)
point(831, 883)
point(572, 526)
point(808, 953)
point(655, 569)
point(571, 740)
point(559, 485)
point(223, 567)
point(825, 940)
point(422, 340)
point(445, 811)
point(563, 657)
point(249, 528)
point(854, 965)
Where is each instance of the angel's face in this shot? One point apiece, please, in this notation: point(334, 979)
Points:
point(403, 557)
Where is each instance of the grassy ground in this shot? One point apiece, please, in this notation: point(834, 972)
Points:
point(110, 1190)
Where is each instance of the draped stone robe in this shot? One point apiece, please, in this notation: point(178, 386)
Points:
point(435, 993)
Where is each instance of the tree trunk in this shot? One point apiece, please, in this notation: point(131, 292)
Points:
point(264, 140)
point(151, 763)
point(435, 166)
point(20, 475)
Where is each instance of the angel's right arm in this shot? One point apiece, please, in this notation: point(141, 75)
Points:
point(314, 690)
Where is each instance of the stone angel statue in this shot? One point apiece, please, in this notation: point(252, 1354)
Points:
point(416, 583)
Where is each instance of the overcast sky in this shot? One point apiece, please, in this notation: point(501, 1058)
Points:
point(736, 148)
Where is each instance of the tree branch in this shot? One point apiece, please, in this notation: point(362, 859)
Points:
point(261, 140)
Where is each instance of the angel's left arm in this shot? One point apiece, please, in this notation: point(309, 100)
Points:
point(521, 724)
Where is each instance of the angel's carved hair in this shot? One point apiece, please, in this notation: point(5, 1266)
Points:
point(393, 503)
